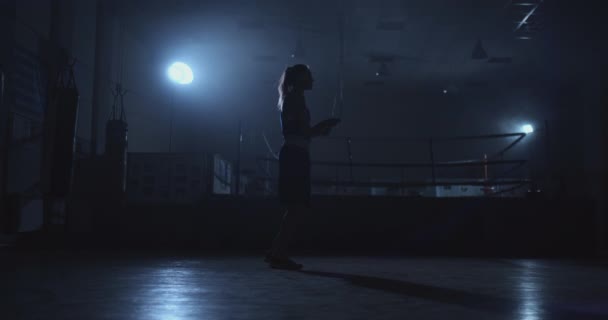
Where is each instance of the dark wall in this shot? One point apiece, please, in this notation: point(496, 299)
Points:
point(7, 20)
point(603, 193)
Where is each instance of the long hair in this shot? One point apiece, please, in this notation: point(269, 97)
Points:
point(287, 82)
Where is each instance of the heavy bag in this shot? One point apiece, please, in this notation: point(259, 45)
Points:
point(60, 138)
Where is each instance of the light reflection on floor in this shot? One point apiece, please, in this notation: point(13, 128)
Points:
point(530, 291)
point(243, 287)
point(172, 293)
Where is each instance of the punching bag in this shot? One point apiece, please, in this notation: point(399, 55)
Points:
point(60, 135)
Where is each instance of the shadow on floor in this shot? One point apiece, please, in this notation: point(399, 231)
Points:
point(512, 308)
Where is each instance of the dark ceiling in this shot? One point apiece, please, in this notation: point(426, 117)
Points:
point(417, 41)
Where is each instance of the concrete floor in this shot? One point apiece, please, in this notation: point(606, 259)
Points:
point(170, 286)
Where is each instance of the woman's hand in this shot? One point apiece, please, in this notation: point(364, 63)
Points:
point(325, 131)
point(331, 122)
point(324, 127)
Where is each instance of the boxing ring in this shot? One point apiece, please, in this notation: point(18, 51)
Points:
point(500, 183)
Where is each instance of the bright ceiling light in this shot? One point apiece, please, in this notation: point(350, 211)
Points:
point(181, 73)
point(527, 128)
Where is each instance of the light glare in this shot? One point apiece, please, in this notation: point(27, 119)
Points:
point(527, 129)
point(181, 73)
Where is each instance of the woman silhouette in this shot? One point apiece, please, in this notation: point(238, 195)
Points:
point(294, 158)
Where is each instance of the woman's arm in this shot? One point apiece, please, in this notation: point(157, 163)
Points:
point(324, 127)
point(303, 128)
point(316, 130)
point(296, 121)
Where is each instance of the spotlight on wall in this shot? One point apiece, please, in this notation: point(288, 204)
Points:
point(180, 73)
point(527, 128)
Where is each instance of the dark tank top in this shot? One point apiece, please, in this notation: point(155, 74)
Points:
point(295, 121)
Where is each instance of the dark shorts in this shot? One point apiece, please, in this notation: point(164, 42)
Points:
point(294, 176)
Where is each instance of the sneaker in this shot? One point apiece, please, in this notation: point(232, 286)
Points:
point(284, 263)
